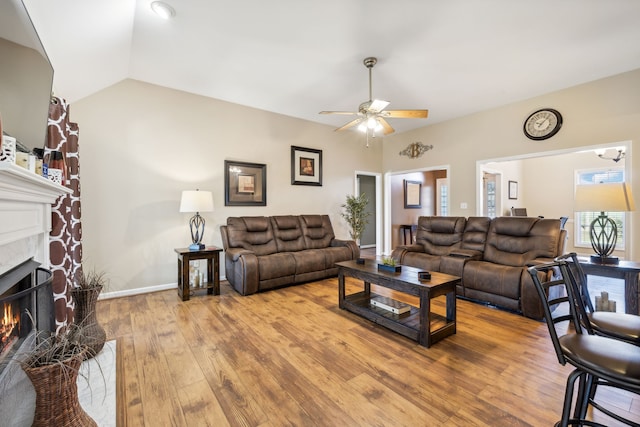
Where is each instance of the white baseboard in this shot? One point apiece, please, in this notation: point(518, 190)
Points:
point(140, 291)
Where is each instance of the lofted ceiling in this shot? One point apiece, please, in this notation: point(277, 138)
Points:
point(297, 57)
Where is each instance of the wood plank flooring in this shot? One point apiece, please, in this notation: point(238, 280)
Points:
point(291, 357)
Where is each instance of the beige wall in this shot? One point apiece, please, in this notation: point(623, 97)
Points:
point(601, 112)
point(141, 145)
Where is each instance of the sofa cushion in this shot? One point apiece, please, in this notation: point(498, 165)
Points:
point(515, 241)
point(251, 233)
point(309, 260)
point(317, 231)
point(276, 265)
point(439, 235)
point(475, 233)
point(287, 233)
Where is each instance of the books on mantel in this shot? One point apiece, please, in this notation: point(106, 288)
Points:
point(391, 305)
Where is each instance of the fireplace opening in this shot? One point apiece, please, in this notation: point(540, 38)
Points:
point(26, 301)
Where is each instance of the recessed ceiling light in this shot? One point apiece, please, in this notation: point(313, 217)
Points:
point(163, 10)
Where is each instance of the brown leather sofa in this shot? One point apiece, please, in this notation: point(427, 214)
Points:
point(490, 255)
point(268, 252)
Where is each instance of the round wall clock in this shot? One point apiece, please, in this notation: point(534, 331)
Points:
point(542, 124)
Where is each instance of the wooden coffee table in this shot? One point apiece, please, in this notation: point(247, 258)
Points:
point(417, 323)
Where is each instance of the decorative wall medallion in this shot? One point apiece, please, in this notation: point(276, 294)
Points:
point(415, 150)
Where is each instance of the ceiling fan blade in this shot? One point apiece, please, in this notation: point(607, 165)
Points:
point(377, 105)
point(350, 124)
point(346, 113)
point(406, 114)
point(386, 127)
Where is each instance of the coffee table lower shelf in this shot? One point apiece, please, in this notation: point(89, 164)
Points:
point(406, 324)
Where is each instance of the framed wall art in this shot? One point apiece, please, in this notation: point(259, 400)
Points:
point(513, 190)
point(306, 166)
point(412, 194)
point(245, 184)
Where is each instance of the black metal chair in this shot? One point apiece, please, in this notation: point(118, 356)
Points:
point(620, 326)
point(599, 361)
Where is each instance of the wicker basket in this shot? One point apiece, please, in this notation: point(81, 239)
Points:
point(86, 317)
point(57, 394)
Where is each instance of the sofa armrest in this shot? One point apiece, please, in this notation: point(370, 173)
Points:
point(235, 253)
point(351, 244)
point(411, 248)
point(468, 254)
point(242, 271)
point(538, 261)
point(454, 262)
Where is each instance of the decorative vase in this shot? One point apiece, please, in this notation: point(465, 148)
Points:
point(56, 390)
point(85, 316)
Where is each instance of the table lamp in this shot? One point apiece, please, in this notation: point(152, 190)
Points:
point(196, 201)
point(615, 197)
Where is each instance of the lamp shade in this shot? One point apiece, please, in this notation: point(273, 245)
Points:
point(196, 201)
point(614, 197)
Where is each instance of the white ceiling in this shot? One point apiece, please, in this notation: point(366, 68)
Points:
point(298, 57)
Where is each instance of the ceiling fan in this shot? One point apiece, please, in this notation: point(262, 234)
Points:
point(372, 114)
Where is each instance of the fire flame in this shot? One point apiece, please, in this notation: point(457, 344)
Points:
point(8, 323)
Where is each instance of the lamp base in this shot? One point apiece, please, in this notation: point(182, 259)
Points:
point(196, 247)
point(607, 260)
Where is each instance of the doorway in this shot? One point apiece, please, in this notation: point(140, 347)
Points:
point(369, 184)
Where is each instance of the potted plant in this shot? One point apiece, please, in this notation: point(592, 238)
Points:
point(356, 215)
point(389, 264)
point(52, 367)
point(85, 295)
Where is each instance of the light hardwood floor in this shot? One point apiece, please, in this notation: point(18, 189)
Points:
point(292, 357)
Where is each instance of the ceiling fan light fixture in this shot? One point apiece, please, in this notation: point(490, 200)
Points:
point(163, 10)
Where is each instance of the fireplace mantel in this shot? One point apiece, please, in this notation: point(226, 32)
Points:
point(25, 215)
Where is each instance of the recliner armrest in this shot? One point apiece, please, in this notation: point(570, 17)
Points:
point(466, 253)
point(351, 244)
point(236, 253)
point(411, 248)
point(539, 261)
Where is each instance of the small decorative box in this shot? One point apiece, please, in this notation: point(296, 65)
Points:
point(424, 275)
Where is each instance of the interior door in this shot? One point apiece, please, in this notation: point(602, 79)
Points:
point(367, 185)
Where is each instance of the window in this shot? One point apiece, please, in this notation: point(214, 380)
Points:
point(442, 194)
point(583, 219)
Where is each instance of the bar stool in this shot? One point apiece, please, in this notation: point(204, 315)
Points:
point(599, 361)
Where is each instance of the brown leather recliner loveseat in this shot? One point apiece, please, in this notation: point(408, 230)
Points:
point(490, 255)
point(267, 252)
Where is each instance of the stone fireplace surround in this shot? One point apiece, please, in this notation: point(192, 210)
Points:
point(25, 223)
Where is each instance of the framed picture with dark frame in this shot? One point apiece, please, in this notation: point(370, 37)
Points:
point(513, 190)
point(306, 166)
point(412, 194)
point(245, 184)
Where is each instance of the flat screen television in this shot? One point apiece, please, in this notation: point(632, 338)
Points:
point(26, 77)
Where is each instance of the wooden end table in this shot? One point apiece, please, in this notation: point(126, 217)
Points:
point(185, 256)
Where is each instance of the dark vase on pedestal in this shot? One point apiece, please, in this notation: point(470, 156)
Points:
point(86, 318)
